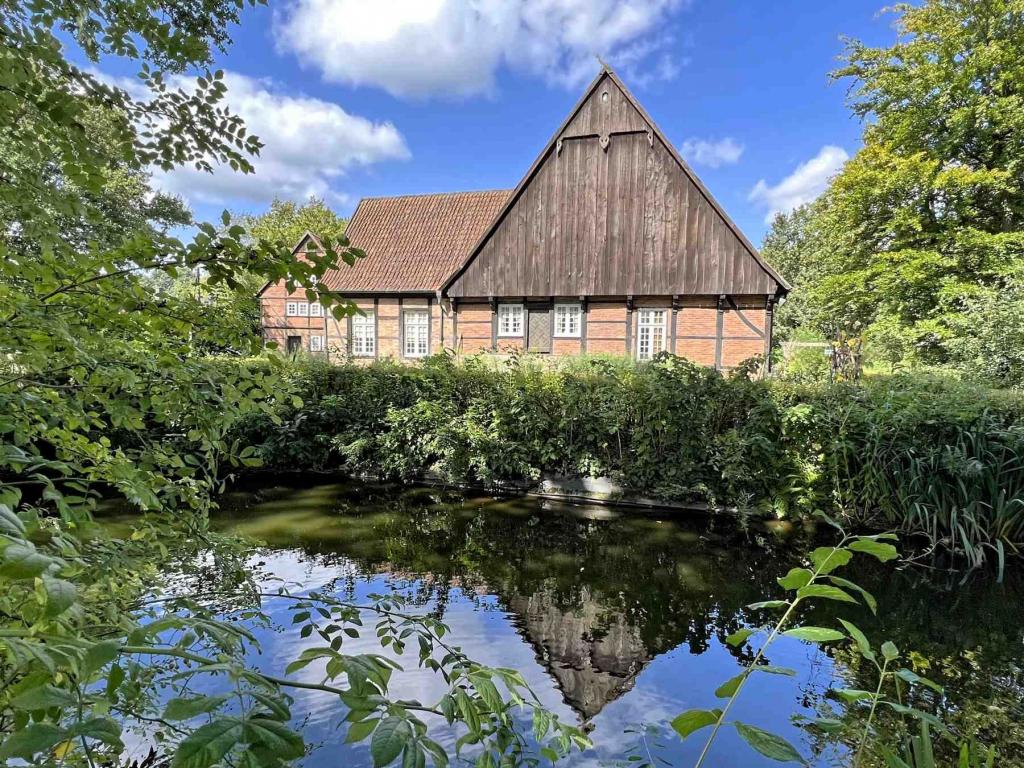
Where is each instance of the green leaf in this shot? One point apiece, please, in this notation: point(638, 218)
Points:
point(814, 634)
point(771, 669)
point(43, 697)
point(768, 744)
point(10, 523)
point(208, 744)
point(728, 688)
point(879, 549)
point(693, 720)
point(889, 650)
point(860, 638)
point(869, 599)
point(768, 604)
point(915, 679)
point(738, 637)
point(98, 655)
point(828, 724)
point(274, 736)
point(187, 708)
point(21, 561)
point(796, 578)
point(853, 694)
point(100, 728)
point(60, 595)
point(362, 729)
point(29, 741)
point(389, 739)
point(825, 591)
point(828, 559)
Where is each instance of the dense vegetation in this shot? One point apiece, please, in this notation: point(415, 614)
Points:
point(926, 455)
point(106, 386)
point(917, 242)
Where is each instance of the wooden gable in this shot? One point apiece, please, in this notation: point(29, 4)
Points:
point(609, 208)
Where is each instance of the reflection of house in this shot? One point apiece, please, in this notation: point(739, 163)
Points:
point(593, 656)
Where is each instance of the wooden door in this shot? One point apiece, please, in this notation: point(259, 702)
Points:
point(538, 329)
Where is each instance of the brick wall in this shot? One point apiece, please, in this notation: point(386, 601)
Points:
point(473, 328)
point(606, 328)
point(277, 326)
point(467, 328)
point(743, 329)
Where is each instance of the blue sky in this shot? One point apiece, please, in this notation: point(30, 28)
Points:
point(358, 98)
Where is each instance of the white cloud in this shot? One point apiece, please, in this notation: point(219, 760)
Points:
point(713, 154)
point(801, 186)
point(308, 144)
point(454, 48)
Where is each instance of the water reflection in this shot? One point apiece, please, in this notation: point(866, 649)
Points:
point(615, 619)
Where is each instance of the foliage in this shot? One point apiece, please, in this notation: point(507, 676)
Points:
point(105, 389)
point(929, 456)
point(924, 227)
point(817, 581)
point(286, 221)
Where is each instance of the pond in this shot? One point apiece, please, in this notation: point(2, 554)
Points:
point(617, 618)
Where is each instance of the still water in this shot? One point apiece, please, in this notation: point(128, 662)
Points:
point(618, 618)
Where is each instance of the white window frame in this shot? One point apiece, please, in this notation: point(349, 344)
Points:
point(645, 322)
point(316, 309)
point(291, 309)
point(316, 343)
point(571, 313)
point(364, 335)
point(511, 322)
point(417, 342)
point(303, 308)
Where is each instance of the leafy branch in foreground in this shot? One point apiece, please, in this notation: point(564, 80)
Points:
point(817, 580)
point(78, 669)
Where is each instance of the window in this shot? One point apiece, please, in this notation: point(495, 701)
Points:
point(364, 335)
point(316, 309)
point(417, 327)
point(650, 334)
point(294, 344)
point(567, 320)
point(316, 343)
point(291, 309)
point(510, 319)
point(303, 309)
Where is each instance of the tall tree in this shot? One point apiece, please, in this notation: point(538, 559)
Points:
point(104, 385)
point(928, 218)
point(288, 221)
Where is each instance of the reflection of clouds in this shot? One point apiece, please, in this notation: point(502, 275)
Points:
point(670, 684)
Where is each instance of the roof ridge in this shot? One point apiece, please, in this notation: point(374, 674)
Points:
point(440, 194)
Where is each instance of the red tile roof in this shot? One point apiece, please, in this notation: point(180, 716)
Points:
point(414, 242)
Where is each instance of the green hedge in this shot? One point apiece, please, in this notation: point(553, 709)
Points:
point(920, 453)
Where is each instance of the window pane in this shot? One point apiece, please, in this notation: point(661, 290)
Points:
point(363, 335)
point(510, 319)
point(567, 320)
point(650, 333)
point(303, 309)
point(416, 332)
point(316, 310)
point(291, 309)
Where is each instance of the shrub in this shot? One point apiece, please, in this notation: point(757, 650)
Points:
point(926, 454)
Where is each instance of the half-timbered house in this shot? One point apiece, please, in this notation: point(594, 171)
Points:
point(609, 244)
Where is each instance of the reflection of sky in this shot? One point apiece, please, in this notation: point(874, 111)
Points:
point(675, 681)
